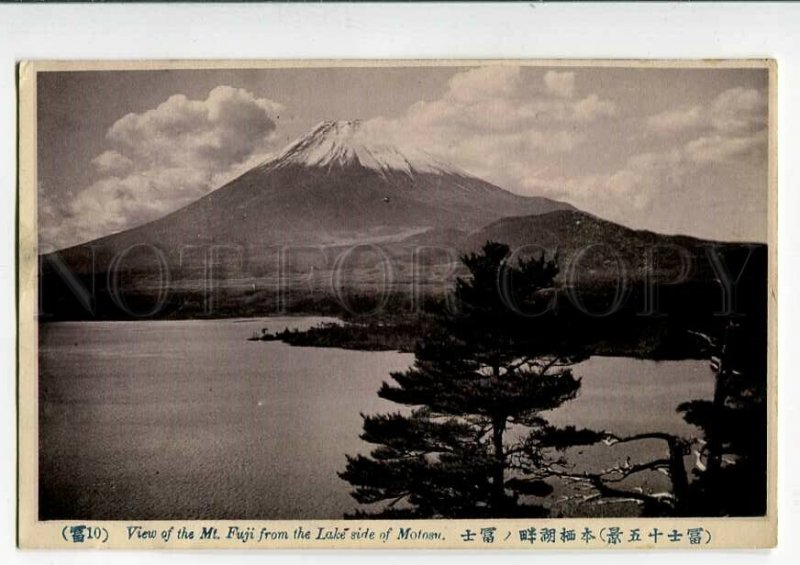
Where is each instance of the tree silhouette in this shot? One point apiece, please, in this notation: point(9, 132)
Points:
point(732, 457)
point(473, 440)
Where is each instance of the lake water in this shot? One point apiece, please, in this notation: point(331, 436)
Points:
point(189, 420)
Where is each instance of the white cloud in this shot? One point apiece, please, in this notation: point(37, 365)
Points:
point(720, 148)
point(484, 83)
point(560, 84)
point(112, 162)
point(620, 195)
point(220, 130)
point(706, 152)
point(709, 167)
point(167, 157)
point(498, 122)
point(593, 107)
point(673, 121)
point(739, 109)
point(733, 111)
point(529, 131)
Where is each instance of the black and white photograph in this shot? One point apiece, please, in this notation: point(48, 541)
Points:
point(407, 291)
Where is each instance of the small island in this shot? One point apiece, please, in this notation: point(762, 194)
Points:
point(363, 335)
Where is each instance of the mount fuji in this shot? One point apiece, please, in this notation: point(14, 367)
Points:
point(330, 190)
point(331, 187)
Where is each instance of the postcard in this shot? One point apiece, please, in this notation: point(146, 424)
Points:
point(470, 304)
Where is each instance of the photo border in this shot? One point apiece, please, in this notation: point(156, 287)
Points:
point(726, 532)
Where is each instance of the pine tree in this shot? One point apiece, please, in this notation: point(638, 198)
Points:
point(474, 433)
point(732, 457)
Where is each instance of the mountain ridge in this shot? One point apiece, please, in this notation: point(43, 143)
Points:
point(309, 196)
point(332, 143)
point(318, 195)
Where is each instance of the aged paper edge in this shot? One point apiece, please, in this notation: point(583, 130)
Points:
point(758, 532)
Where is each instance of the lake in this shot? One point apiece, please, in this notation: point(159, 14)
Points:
point(189, 420)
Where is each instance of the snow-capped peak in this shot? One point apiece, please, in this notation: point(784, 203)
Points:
point(339, 143)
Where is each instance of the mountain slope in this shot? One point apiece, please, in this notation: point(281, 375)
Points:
point(330, 187)
point(591, 247)
point(325, 194)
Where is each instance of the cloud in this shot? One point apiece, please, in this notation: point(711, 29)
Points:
point(560, 84)
point(673, 121)
point(719, 148)
point(715, 172)
point(532, 131)
point(499, 122)
point(167, 157)
point(112, 162)
point(733, 111)
point(674, 166)
point(219, 130)
point(739, 109)
point(620, 195)
point(593, 107)
point(712, 154)
point(484, 83)
point(731, 128)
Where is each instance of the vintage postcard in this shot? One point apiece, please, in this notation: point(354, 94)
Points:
point(397, 304)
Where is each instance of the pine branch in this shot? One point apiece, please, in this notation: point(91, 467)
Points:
point(601, 484)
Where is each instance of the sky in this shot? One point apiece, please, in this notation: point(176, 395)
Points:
point(669, 150)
